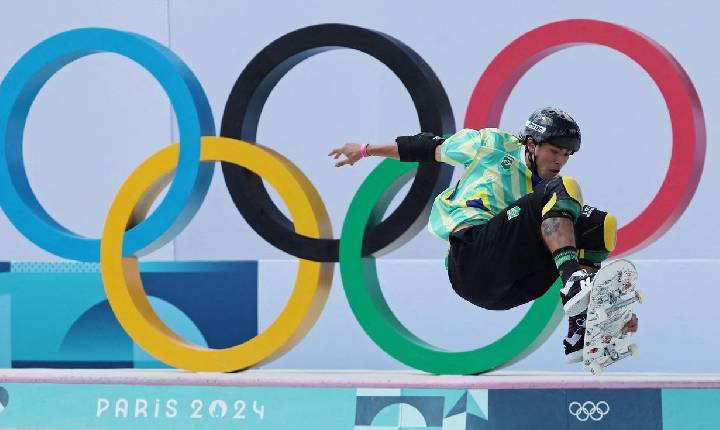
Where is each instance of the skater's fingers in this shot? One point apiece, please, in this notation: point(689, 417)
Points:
point(631, 326)
point(634, 321)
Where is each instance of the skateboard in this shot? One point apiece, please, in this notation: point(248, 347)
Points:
point(612, 298)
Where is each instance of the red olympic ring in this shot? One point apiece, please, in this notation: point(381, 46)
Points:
point(686, 114)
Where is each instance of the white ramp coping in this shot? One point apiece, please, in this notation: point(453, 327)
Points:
point(361, 378)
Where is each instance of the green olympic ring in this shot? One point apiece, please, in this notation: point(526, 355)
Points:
point(363, 292)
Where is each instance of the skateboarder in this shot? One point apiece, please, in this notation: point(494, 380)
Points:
point(513, 225)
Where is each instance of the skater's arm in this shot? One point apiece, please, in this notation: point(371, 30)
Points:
point(421, 147)
point(353, 152)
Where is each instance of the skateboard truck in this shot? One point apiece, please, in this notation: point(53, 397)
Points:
point(621, 302)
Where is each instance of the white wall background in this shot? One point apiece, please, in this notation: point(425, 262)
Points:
point(100, 117)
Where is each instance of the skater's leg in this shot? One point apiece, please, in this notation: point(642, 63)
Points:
point(558, 232)
point(559, 236)
point(596, 237)
point(562, 203)
point(505, 262)
point(561, 207)
point(596, 234)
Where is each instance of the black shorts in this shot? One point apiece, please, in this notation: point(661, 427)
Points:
point(505, 262)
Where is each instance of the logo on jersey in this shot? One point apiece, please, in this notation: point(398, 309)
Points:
point(507, 162)
point(513, 212)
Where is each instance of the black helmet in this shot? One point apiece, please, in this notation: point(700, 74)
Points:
point(555, 127)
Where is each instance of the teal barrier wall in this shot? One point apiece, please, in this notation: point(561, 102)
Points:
point(109, 406)
point(56, 314)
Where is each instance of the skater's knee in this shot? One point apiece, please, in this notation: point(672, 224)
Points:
point(596, 233)
point(562, 198)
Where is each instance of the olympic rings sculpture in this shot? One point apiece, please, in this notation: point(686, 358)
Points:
point(187, 167)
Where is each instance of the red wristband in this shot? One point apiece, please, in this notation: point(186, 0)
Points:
point(364, 150)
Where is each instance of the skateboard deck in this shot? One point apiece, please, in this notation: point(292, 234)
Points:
point(612, 298)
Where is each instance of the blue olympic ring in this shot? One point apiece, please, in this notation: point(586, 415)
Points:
point(194, 117)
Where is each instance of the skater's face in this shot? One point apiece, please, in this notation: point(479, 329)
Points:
point(549, 159)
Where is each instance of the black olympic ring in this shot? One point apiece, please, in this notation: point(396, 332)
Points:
point(589, 410)
point(246, 102)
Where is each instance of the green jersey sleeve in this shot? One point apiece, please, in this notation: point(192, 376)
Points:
point(462, 147)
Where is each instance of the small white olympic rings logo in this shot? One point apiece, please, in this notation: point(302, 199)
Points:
point(590, 410)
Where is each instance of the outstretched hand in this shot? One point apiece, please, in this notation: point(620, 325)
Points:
point(351, 151)
point(631, 326)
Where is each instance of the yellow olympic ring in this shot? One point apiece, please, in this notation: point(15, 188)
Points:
point(121, 275)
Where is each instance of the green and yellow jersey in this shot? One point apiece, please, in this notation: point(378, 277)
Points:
point(495, 176)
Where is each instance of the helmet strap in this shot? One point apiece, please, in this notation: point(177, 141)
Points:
point(531, 159)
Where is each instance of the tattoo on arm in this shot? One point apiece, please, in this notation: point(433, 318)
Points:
point(550, 226)
point(557, 232)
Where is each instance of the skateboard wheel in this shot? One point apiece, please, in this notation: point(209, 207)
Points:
point(634, 350)
point(595, 368)
point(640, 295)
